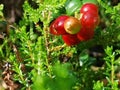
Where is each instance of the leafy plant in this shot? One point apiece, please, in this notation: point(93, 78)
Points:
point(35, 59)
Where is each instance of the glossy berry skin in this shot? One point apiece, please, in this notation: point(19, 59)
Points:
point(70, 40)
point(89, 20)
point(89, 7)
point(85, 34)
point(72, 6)
point(52, 29)
point(72, 25)
point(57, 26)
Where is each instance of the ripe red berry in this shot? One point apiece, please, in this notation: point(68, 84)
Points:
point(89, 20)
point(70, 39)
point(89, 7)
point(52, 29)
point(57, 26)
point(85, 34)
point(72, 25)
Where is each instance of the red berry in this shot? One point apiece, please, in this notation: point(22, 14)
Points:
point(85, 34)
point(89, 20)
point(89, 7)
point(52, 29)
point(70, 39)
point(57, 26)
point(72, 25)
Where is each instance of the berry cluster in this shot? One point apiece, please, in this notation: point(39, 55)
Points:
point(75, 30)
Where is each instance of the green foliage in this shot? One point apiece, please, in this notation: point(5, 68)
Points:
point(90, 1)
point(1, 13)
point(41, 61)
point(98, 86)
point(62, 79)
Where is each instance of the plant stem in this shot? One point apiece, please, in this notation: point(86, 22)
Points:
point(46, 37)
point(112, 71)
point(30, 50)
